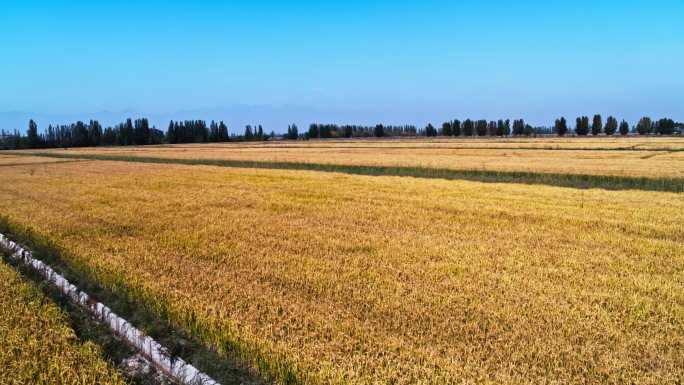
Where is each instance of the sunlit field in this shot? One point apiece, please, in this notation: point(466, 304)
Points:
point(10, 160)
point(37, 346)
point(630, 157)
point(585, 143)
point(342, 193)
point(332, 278)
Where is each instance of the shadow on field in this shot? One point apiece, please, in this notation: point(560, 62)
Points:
point(583, 181)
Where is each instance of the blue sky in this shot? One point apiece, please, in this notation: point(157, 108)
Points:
point(340, 61)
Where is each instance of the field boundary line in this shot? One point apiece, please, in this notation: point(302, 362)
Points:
point(174, 367)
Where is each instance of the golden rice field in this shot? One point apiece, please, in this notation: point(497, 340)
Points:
point(37, 346)
point(631, 157)
point(331, 278)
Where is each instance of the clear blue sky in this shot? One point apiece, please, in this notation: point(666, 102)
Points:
point(344, 61)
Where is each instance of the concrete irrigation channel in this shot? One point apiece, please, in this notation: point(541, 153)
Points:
point(174, 367)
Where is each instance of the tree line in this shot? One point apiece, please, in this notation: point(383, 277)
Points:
point(645, 126)
point(80, 134)
point(129, 133)
point(501, 127)
point(352, 131)
point(138, 132)
point(583, 127)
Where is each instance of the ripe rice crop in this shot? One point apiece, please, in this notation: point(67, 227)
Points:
point(37, 346)
point(326, 278)
point(652, 157)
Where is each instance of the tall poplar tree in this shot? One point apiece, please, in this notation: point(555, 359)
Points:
point(596, 125)
point(32, 134)
point(561, 126)
point(611, 125)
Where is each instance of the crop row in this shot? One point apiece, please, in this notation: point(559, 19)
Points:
point(323, 278)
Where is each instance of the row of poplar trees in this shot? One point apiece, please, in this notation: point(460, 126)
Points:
point(80, 134)
point(131, 132)
point(645, 126)
point(139, 132)
point(583, 127)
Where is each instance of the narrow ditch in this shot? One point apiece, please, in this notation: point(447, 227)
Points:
point(130, 341)
point(87, 329)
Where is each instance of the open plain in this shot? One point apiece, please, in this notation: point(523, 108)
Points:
point(332, 277)
point(629, 157)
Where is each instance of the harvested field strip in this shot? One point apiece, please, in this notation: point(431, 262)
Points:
point(38, 346)
point(609, 182)
point(13, 160)
point(327, 278)
point(37, 163)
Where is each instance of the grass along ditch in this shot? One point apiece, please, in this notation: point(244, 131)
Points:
point(584, 181)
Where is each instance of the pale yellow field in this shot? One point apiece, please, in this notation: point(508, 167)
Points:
point(37, 346)
point(378, 280)
point(568, 143)
point(492, 155)
point(11, 160)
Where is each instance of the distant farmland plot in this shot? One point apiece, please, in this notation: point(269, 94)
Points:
point(326, 278)
point(10, 160)
point(624, 157)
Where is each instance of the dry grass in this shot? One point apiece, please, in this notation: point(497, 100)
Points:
point(632, 157)
point(37, 346)
point(333, 278)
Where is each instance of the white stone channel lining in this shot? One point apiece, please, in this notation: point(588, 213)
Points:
point(174, 367)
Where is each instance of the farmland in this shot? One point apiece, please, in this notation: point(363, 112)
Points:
point(8, 161)
point(38, 346)
point(333, 277)
point(620, 157)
